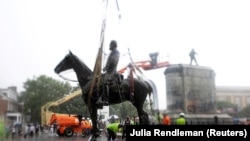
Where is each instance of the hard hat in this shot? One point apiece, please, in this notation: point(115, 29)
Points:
point(182, 114)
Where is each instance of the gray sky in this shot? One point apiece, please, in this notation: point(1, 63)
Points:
point(36, 34)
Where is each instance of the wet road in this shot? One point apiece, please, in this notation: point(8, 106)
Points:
point(47, 137)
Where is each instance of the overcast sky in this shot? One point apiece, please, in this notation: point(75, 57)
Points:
point(36, 34)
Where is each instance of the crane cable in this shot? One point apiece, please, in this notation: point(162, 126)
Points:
point(131, 81)
point(135, 66)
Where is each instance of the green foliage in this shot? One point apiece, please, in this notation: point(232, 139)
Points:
point(73, 106)
point(38, 92)
point(245, 112)
point(123, 109)
point(126, 109)
point(225, 104)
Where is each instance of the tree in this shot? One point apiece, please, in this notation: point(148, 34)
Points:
point(224, 105)
point(38, 92)
point(123, 109)
point(127, 109)
point(73, 106)
point(245, 112)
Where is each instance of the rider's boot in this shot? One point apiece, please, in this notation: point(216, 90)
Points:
point(99, 103)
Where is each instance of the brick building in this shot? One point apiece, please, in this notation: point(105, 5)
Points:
point(10, 109)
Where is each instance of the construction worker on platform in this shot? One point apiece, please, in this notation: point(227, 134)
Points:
point(110, 69)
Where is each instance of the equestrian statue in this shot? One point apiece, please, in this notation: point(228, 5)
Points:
point(118, 89)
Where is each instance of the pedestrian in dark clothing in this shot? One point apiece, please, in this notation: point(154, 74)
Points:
point(216, 120)
point(127, 121)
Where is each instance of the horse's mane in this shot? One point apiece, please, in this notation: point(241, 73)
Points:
point(86, 71)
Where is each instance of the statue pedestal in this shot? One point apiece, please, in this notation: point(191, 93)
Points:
point(190, 89)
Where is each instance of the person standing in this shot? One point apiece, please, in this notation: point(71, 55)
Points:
point(192, 57)
point(27, 130)
point(159, 117)
point(13, 131)
point(181, 120)
point(51, 130)
point(166, 119)
point(110, 69)
point(127, 121)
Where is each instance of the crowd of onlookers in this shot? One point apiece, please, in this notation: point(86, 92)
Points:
point(16, 130)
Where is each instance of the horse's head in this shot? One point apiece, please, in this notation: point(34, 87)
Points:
point(71, 61)
point(65, 64)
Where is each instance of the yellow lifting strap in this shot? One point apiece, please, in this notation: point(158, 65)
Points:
point(98, 65)
point(97, 73)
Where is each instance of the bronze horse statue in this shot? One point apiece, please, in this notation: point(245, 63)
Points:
point(85, 76)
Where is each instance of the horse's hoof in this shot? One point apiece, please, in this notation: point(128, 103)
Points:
point(96, 135)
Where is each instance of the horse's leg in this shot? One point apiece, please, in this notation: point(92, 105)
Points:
point(93, 115)
point(143, 116)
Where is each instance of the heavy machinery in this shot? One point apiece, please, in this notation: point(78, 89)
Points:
point(68, 125)
point(46, 113)
point(147, 64)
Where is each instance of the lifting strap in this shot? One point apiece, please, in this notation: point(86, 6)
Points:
point(133, 69)
point(98, 63)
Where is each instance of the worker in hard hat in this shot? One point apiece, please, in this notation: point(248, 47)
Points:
point(181, 120)
point(112, 129)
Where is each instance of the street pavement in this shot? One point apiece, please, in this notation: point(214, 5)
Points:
point(48, 137)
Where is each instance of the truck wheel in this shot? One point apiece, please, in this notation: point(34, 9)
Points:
point(60, 134)
point(68, 132)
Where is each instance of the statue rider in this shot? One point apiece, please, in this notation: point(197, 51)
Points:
point(110, 70)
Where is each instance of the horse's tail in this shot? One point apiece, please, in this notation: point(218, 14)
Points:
point(150, 90)
point(150, 86)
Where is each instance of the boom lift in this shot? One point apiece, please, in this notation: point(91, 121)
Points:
point(147, 64)
point(46, 112)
